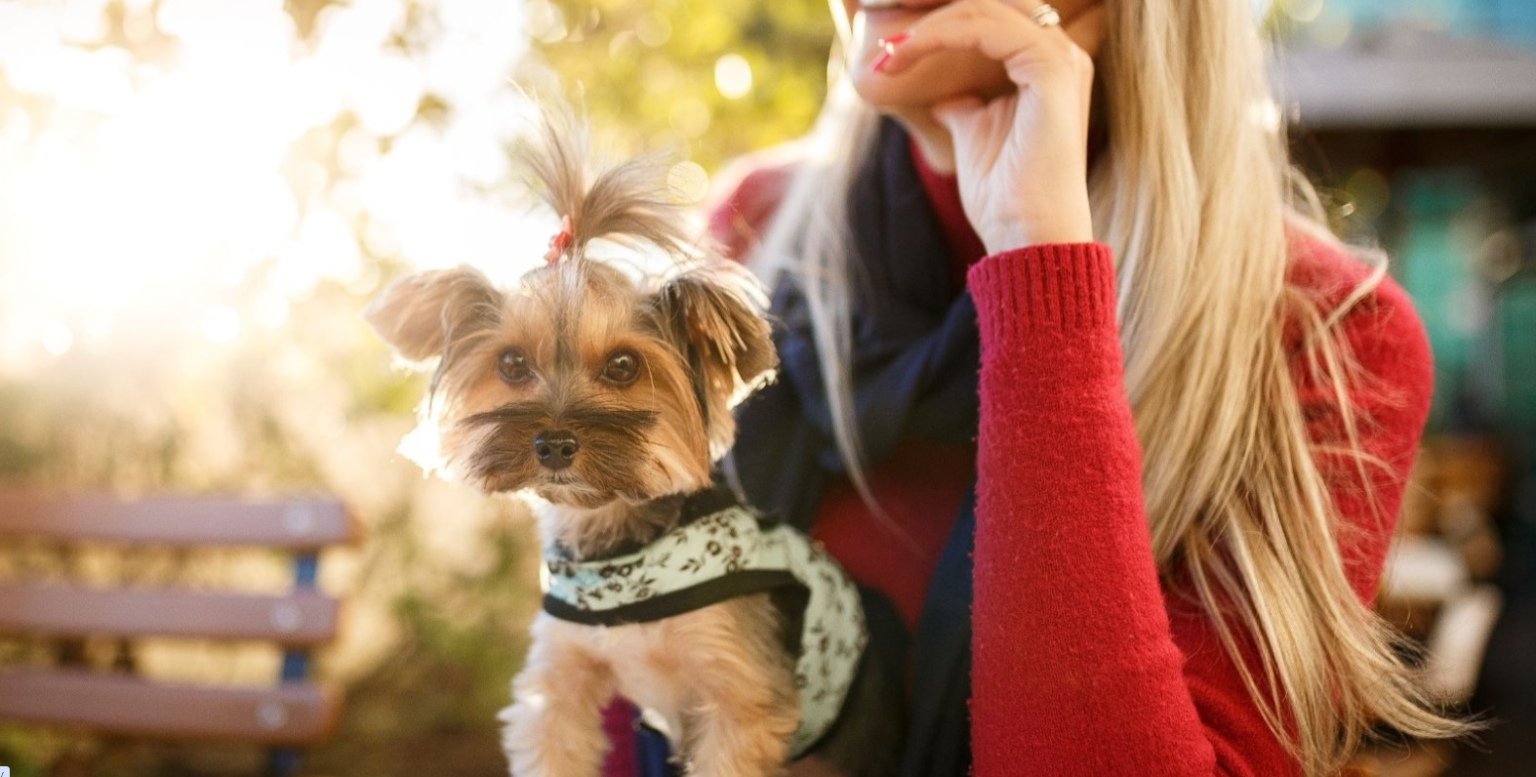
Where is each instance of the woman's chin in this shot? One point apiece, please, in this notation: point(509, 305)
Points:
point(938, 78)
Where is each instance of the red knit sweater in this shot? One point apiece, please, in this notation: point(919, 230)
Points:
point(1073, 634)
point(1082, 663)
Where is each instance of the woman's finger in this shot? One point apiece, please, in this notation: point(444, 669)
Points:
point(1085, 29)
point(977, 127)
point(995, 28)
point(957, 109)
point(960, 115)
point(1084, 26)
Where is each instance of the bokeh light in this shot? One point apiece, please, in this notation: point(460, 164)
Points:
point(156, 155)
point(733, 76)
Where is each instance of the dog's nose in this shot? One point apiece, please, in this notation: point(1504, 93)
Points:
point(555, 450)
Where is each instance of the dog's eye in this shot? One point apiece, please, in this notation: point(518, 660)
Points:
point(622, 368)
point(513, 366)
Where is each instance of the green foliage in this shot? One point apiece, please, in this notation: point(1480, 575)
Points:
point(648, 69)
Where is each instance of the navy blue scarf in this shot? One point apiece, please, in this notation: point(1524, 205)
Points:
point(916, 354)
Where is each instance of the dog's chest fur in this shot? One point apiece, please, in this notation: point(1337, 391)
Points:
point(656, 665)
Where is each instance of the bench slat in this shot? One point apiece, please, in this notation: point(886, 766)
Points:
point(299, 619)
point(288, 714)
point(306, 524)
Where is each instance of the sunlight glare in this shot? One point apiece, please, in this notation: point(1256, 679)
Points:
point(221, 324)
point(221, 149)
point(57, 338)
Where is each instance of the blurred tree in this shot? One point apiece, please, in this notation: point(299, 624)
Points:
point(197, 198)
point(713, 79)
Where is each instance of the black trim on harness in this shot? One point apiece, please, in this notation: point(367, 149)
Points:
point(743, 583)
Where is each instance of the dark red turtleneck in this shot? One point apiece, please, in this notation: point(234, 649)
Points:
point(943, 189)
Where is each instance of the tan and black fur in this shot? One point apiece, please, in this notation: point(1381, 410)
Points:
point(524, 398)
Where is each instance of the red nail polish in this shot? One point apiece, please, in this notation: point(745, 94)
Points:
point(887, 50)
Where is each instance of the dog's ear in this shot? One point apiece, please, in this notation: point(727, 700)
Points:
point(418, 314)
point(713, 311)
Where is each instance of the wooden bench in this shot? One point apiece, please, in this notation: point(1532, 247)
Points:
point(291, 712)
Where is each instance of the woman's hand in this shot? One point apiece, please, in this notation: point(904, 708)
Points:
point(1021, 159)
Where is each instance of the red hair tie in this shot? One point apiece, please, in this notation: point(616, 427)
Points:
point(560, 242)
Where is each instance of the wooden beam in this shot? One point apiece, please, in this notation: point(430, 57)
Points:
point(1403, 77)
point(303, 618)
point(307, 524)
point(288, 714)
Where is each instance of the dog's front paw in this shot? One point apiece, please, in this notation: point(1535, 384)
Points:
point(538, 744)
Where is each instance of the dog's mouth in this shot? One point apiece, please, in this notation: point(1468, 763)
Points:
point(574, 486)
point(567, 490)
point(562, 487)
point(564, 482)
point(599, 454)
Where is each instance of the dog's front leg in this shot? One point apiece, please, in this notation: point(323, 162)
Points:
point(748, 708)
point(743, 727)
point(554, 726)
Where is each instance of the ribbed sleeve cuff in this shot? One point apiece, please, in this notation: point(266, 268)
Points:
point(1062, 287)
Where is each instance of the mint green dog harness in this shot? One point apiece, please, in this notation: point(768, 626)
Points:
point(718, 551)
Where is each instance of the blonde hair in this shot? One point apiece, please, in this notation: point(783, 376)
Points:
point(1194, 194)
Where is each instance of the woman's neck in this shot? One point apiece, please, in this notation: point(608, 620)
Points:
point(933, 141)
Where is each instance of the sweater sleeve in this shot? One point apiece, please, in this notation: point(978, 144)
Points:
point(1078, 665)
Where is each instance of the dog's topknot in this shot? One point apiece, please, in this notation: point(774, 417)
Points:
point(630, 202)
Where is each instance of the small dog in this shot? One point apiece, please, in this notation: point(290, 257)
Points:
point(609, 399)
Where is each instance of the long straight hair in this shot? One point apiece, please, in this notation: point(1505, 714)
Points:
point(1194, 194)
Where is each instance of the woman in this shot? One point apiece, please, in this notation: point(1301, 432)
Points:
point(1196, 408)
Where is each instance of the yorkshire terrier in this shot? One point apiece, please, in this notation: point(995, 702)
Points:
point(608, 398)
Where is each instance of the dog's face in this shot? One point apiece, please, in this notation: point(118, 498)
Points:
point(578, 383)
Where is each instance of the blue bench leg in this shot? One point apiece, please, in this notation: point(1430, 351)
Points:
point(282, 762)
